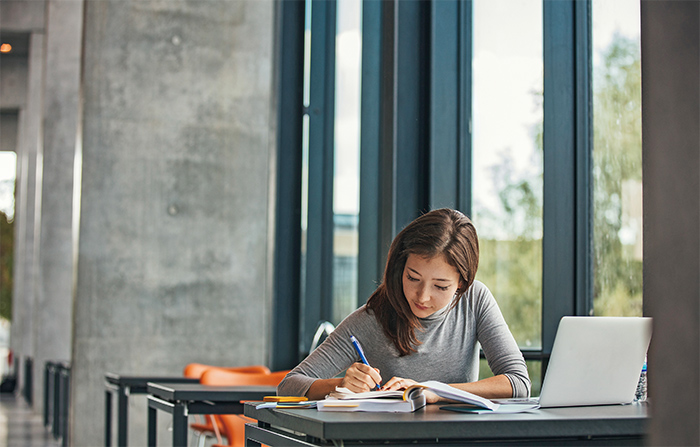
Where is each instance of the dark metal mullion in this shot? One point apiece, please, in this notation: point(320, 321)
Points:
point(319, 245)
point(584, 147)
point(388, 92)
point(290, 86)
point(370, 248)
point(444, 104)
point(329, 160)
point(410, 130)
point(559, 224)
point(464, 197)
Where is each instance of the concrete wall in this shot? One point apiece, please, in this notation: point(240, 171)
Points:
point(13, 83)
point(26, 96)
point(22, 15)
point(52, 317)
point(145, 141)
point(671, 168)
point(173, 218)
point(26, 202)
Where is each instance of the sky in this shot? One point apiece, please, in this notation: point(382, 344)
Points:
point(507, 72)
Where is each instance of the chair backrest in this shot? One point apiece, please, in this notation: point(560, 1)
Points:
point(233, 426)
point(195, 370)
point(323, 330)
point(220, 376)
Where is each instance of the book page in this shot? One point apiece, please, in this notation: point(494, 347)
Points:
point(449, 392)
point(441, 389)
point(344, 393)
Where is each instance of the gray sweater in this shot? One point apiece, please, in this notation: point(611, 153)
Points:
point(449, 349)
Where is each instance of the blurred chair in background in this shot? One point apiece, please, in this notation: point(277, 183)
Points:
point(233, 425)
point(206, 427)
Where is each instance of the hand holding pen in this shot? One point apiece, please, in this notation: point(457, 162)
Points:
point(361, 353)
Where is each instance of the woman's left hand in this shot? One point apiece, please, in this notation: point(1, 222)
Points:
point(399, 383)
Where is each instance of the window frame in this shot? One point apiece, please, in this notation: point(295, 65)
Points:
point(415, 55)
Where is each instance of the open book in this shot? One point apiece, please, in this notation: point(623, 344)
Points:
point(405, 401)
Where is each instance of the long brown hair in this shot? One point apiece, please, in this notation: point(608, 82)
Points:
point(444, 232)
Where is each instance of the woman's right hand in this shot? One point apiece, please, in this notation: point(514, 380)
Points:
point(360, 378)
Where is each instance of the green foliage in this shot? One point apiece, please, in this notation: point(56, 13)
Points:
point(6, 262)
point(513, 272)
point(534, 370)
point(511, 265)
point(617, 160)
point(511, 262)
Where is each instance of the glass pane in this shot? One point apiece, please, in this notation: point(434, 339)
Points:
point(305, 157)
point(8, 165)
point(8, 173)
point(507, 159)
point(617, 158)
point(346, 180)
point(534, 369)
point(307, 53)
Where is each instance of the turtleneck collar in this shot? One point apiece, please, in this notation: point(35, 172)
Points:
point(437, 316)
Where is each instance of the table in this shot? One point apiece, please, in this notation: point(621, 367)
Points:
point(603, 425)
point(123, 386)
point(181, 400)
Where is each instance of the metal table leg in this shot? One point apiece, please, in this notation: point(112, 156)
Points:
point(108, 418)
point(152, 420)
point(179, 426)
point(122, 416)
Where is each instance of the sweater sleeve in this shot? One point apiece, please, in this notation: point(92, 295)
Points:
point(500, 348)
point(329, 359)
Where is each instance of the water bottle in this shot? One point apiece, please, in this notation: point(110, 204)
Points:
point(641, 394)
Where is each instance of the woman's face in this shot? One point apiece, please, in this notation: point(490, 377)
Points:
point(429, 284)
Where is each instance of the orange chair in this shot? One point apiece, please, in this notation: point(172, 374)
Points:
point(195, 370)
point(206, 428)
point(233, 425)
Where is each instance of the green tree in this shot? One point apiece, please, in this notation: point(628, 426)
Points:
point(511, 262)
point(6, 262)
point(617, 160)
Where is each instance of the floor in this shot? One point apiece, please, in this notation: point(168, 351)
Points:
point(20, 426)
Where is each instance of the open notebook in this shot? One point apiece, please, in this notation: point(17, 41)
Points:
point(406, 401)
point(594, 361)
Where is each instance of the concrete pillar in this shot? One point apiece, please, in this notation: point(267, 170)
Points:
point(173, 219)
point(28, 142)
point(54, 297)
point(671, 167)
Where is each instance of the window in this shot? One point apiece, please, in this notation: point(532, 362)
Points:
point(507, 159)
point(346, 178)
point(617, 158)
point(8, 163)
point(507, 163)
point(524, 114)
point(329, 164)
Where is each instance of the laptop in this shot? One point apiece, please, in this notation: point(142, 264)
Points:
point(594, 361)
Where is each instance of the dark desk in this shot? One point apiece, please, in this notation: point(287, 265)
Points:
point(125, 386)
point(603, 425)
point(181, 400)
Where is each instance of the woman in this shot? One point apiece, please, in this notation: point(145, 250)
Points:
point(424, 322)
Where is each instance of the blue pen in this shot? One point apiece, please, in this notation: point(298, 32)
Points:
point(359, 350)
